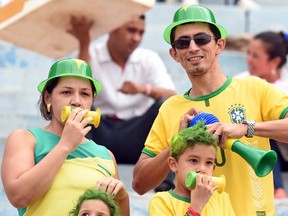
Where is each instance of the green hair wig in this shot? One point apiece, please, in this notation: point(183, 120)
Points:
point(95, 194)
point(189, 137)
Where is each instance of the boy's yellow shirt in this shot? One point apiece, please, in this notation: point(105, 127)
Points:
point(170, 204)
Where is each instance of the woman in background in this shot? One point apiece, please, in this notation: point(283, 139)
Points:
point(266, 56)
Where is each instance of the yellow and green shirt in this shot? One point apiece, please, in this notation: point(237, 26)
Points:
point(171, 204)
point(249, 98)
point(81, 169)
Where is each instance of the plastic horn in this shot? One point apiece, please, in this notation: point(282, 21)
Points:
point(66, 110)
point(220, 181)
point(262, 161)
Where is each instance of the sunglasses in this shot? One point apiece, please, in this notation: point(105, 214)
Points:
point(199, 39)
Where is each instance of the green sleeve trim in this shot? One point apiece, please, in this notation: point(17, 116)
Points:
point(282, 116)
point(148, 152)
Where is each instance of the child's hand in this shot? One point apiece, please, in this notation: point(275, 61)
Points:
point(112, 186)
point(202, 192)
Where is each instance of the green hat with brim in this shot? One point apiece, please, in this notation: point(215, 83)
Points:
point(192, 14)
point(70, 67)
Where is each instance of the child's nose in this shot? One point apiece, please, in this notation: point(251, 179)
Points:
point(200, 169)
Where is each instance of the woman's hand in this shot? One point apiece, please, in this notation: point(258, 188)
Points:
point(112, 186)
point(75, 129)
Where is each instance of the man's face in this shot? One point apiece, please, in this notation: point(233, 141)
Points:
point(128, 37)
point(196, 59)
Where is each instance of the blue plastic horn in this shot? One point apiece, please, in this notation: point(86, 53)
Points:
point(206, 117)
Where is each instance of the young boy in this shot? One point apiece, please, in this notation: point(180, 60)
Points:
point(192, 149)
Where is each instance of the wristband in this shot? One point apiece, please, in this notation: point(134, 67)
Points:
point(148, 89)
point(192, 212)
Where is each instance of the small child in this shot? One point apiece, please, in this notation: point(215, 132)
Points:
point(109, 198)
point(192, 149)
point(95, 202)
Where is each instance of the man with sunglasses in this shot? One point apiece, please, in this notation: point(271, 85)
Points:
point(249, 109)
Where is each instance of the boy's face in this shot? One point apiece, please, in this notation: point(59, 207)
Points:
point(94, 208)
point(200, 158)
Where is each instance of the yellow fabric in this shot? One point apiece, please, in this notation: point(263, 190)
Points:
point(74, 177)
point(166, 203)
point(248, 98)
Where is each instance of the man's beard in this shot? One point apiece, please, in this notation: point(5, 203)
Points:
point(197, 71)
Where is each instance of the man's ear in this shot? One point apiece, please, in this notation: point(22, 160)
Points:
point(173, 53)
point(221, 43)
point(172, 162)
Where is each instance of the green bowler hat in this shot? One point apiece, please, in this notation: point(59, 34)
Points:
point(70, 67)
point(190, 14)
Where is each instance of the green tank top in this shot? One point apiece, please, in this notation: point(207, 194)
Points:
point(88, 163)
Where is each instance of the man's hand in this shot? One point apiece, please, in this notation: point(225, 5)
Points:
point(130, 87)
point(186, 118)
point(80, 28)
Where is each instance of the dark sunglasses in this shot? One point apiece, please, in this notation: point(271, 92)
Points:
point(199, 39)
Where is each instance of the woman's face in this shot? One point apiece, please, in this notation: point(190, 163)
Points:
point(70, 91)
point(258, 60)
point(94, 208)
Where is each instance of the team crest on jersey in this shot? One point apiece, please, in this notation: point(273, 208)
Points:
point(237, 113)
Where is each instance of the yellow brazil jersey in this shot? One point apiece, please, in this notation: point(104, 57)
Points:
point(171, 204)
point(249, 98)
point(81, 169)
